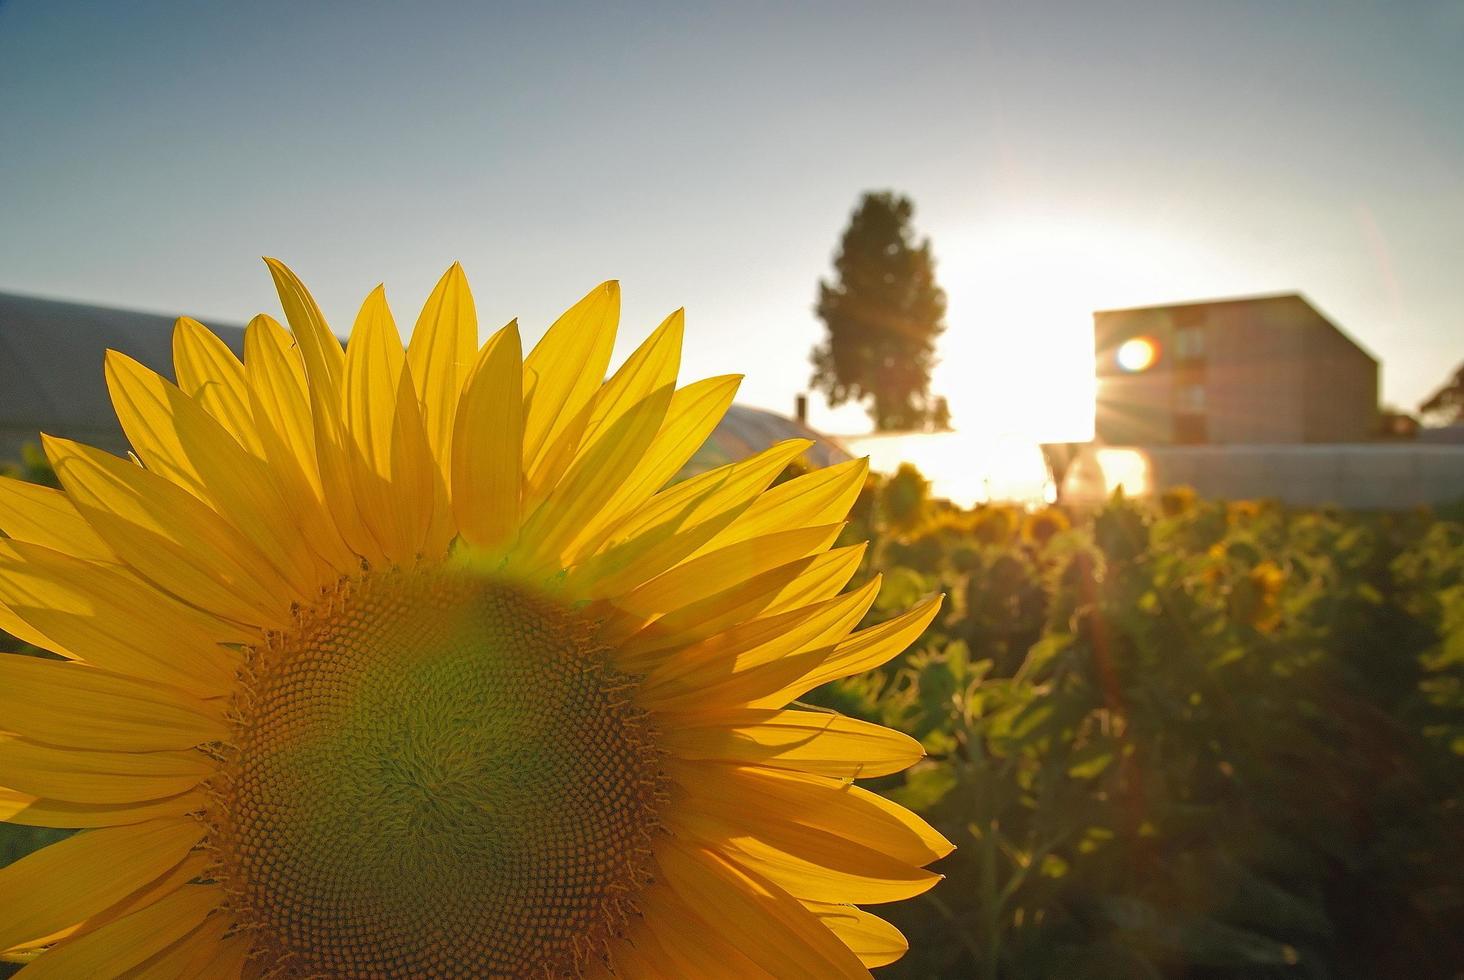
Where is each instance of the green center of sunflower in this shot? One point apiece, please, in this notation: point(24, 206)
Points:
point(435, 775)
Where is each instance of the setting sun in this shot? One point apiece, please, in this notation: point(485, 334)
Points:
point(1017, 359)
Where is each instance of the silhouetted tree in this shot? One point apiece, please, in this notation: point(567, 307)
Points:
point(1447, 404)
point(883, 315)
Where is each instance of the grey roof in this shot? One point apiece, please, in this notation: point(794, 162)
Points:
point(51, 366)
point(51, 380)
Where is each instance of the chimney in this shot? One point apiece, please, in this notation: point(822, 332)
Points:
point(800, 408)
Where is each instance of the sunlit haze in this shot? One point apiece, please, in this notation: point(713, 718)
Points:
point(1062, 158)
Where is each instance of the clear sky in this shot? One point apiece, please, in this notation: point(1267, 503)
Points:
point(1062, 157)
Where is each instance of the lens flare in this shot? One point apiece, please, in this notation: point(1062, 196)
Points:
point(1138, 354)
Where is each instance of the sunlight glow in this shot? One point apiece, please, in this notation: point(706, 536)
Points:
point(1127, 470)
point(964, 467)
point(1017, 357)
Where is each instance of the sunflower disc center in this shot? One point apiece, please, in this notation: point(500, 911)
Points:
point(435, 775)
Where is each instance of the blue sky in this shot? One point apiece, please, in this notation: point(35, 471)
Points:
point(1063, 157)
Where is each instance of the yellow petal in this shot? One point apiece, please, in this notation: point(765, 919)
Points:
point(30, 512)
point(827, 574)
point(109, 618)
point(181, 442)
point(177, 960)
point(862, 651)
point(282, 416)
point(325, 370)
point(804, 741)
point(98, 777)
point(721, 569)
point(34, 811)
point(806, 863)
point(67, 882)
point(487, 445)
point(561, 375)
point(226, 959)
point(194, 866)
point(772, 804)
point(208, 372)
point(649, 373)
point(440, 355)
point(682, 945)
point(75, 705)
point(872, 939)
point(119, 946)
point(279, 400)
point(820, 497)
point(793, 584)
point(642, 960)
point(677, 521)
point(608, 456)
point(746, 661)
point(325, 360)
point(756, 916)
point(391, 467)
point(170, 537)
point(693, 414)
point(11, 623)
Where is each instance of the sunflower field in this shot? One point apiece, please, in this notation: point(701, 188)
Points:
point(1182, 739)
point(1190, 739)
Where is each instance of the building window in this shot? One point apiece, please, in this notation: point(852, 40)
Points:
point(1192, 398)
point(1189, 343)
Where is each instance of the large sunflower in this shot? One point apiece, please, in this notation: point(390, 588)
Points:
point(410, 663)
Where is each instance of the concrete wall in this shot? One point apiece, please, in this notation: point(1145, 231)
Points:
point(1371, 477)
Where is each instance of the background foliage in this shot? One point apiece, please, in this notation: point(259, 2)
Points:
point(1196, 739)
point(1192, 739)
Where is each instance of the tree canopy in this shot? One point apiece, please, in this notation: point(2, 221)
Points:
point(1446, 405)
point(883, 311)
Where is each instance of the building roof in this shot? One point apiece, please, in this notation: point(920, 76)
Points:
point(1216, 301)
point(1260, 299)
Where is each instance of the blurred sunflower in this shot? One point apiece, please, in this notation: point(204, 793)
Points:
point(1262, 605)
point(993, 524)
point(1256, 598)
point(1243, 511)
point(409, 663)
point(1177, 500)
point(1041, 526)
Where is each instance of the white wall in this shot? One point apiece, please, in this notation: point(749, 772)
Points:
point(1350, 475)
